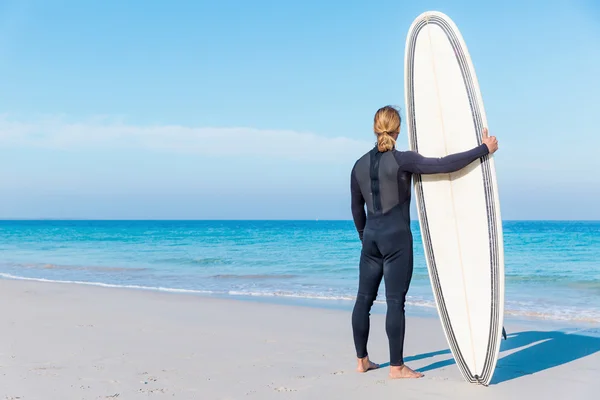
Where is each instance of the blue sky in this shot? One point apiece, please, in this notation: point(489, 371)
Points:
point(239, 109)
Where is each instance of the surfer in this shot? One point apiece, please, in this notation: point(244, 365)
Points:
point(382, 179)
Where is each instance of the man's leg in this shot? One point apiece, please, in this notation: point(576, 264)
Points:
point(370, 275)
point(398, 269)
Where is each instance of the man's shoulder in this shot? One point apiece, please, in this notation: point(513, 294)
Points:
point(363, 161)
point(364, 157)
point(404, 156)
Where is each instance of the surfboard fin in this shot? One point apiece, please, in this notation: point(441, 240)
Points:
point(504, 333)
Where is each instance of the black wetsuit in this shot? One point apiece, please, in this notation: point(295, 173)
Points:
point(383, 182)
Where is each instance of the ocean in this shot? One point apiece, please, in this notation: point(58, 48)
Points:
point(551, 267)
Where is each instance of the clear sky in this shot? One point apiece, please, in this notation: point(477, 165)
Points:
point(258, 109)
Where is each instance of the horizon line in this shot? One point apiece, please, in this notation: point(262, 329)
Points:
point(260, 219)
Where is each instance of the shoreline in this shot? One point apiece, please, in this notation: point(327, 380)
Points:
point(379, 307)
point(89, 342)
point(550, 275)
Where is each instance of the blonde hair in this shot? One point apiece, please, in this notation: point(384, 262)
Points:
point(386, 123)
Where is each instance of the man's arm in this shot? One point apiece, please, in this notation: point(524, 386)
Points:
point(358, 206)
point(414, 162)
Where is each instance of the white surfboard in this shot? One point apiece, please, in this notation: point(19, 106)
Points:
point(459, 213)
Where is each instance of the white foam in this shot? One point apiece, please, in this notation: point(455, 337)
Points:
point(557, 315)
point(107, 285)
point(314, 296)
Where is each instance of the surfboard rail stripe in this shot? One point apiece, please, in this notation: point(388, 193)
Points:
point(451, 33)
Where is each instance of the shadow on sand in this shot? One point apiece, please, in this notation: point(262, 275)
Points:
point(541, 351)
point(420, 357)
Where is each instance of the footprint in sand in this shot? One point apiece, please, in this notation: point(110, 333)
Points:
point(148, 380)
point(49, 367)
point(284, 389)
point(150, 391)
point(46, 371)
point(339, 373)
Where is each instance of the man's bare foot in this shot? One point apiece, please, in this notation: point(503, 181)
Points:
point(403, 372)
point(364, 365)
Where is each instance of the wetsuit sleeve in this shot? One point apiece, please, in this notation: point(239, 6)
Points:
point(358, 206)
point(414, 162)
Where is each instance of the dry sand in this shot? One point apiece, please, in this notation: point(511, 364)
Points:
point(63, 341)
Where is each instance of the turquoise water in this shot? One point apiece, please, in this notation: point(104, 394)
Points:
point(551, 267)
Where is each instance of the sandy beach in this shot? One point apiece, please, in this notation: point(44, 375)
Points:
point(67, 341)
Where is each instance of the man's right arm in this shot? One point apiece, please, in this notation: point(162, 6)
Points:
point(417, 164)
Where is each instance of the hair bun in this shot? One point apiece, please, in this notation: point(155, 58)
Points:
point(386, 125)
